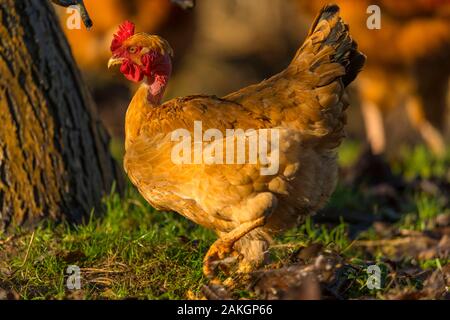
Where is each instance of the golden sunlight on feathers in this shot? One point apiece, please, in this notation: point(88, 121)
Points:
point(305, 103)
point(150, 41)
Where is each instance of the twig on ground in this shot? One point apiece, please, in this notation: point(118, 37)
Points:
point(28, 249)
point(97, 270)
point(286, 245)
point(384, 242)
point(6, 240)
point(102, 280)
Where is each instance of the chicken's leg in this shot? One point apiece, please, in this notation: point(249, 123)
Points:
point(224, 245)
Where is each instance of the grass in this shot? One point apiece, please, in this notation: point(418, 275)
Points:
point(335, 237)
point(418, 161)
point(349, 152)
point(133, 251)
point(427, 208)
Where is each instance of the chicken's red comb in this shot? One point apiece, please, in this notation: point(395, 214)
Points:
point(126, 30)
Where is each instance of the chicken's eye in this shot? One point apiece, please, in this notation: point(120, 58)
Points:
point(133, 50)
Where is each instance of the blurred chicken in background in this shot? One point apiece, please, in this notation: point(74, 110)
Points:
point(408, 64)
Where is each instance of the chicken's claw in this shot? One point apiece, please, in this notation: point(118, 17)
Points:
point(224, 246)
point(218, 251)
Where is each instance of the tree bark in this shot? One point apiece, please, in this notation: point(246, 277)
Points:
point(54, 151)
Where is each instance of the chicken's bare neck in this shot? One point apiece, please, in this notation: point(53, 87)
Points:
point(148, 96)
point(155, 87)
point(157, 80)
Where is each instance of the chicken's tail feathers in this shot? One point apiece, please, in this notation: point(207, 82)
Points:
point(329, 41)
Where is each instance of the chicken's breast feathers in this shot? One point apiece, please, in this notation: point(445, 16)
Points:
point(193, 189)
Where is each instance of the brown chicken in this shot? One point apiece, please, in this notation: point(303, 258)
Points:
point(301, 111)
point(408, 64)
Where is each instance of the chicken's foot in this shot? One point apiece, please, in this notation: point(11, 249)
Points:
point(224, 246)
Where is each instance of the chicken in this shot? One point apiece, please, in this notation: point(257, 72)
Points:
point(299, 113)
point(408, 64)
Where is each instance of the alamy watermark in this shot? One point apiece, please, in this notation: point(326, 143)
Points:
point(234, 146)
point(74, 19)
point(374, 279)
point(74, 279)
point(374, 20)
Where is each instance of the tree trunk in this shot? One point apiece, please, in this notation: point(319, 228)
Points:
point(54, 157)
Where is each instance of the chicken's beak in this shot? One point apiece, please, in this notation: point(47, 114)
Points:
point(114, 61)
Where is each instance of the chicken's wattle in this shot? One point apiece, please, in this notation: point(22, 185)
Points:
point(132, 71)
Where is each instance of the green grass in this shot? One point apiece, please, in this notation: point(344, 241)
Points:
point(419, 161)
point(349, 152)
point(427, 208)
point(134, 251)
point(335, 237)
